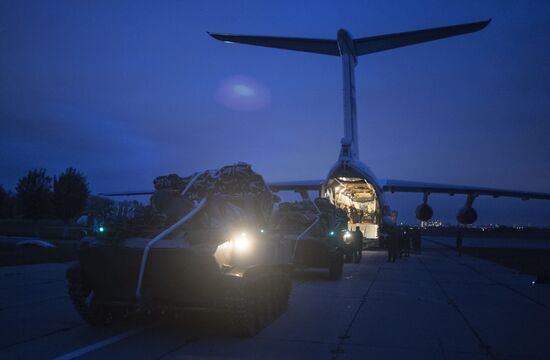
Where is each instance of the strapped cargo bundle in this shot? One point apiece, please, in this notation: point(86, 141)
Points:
point(235, 194)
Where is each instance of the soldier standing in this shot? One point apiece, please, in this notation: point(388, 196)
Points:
point(459, 242)
point(358, 244)
point(417, 240)
point(393, 246)
point(408, 242)
point(388, 241)
point(419, 236)
point(401, 242)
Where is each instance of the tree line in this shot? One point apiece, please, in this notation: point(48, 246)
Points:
point(38, 196)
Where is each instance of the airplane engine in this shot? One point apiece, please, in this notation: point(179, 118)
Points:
point(424, 212)
point(467, 215)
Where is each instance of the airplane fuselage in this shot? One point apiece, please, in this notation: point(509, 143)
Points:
point(350, 184)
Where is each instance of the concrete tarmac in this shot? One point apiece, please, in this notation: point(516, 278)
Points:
point(431, 306)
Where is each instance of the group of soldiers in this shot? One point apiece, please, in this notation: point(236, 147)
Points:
point(358, 216)
point(400, 241)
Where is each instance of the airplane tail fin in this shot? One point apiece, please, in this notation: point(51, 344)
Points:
point(369, 45)
point(319, 46)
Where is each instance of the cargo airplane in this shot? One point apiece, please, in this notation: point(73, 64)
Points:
point(350, 184)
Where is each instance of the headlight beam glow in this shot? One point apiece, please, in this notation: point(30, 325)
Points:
point(242, 243)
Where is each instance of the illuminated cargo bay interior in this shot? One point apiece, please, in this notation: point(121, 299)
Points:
point(358, 198)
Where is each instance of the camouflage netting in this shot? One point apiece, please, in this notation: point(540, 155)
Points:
point(235, 195)
point(294, 217)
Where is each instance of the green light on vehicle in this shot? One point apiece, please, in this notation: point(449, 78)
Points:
point(101, 229)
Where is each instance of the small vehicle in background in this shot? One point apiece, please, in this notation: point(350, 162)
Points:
point(314, 229)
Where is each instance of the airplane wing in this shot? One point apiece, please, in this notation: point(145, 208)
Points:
point(128, 193)
point(394, 186)
point(369, 45)
point(298, 186)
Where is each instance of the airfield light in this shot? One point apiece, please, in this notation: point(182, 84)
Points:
point(262, 231)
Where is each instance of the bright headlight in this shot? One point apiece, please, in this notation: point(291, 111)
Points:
point(242, 243)
point(347, 237)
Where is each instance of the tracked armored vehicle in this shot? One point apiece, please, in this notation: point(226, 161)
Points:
point(315, 230)
point(202, 243)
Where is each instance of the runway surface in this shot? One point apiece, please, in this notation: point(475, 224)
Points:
point(431, 306)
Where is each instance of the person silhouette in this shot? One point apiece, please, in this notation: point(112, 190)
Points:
point(358, 245)
point(459, 242)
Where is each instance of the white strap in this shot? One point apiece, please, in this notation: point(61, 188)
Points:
point(317, 218)
point(188, 186)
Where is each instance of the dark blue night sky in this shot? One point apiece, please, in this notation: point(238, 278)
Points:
point(126, 91)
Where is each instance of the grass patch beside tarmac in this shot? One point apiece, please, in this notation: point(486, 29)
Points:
point(51, 230)
point(44, 229)
point(529, 261)
point(11, 255)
